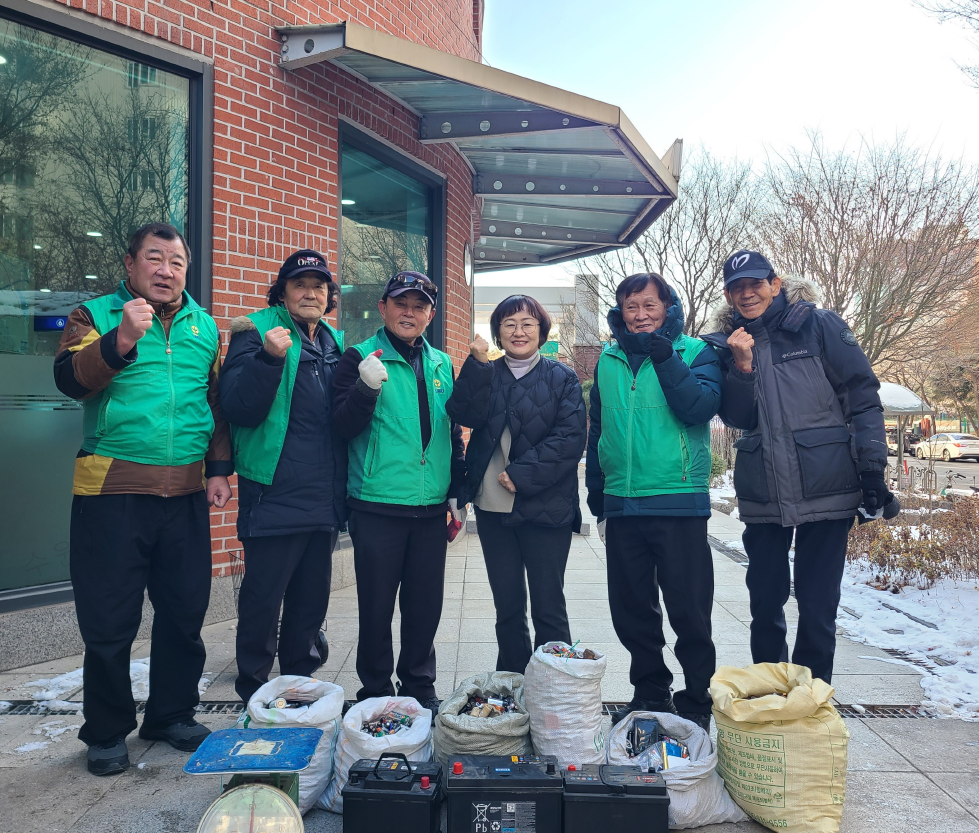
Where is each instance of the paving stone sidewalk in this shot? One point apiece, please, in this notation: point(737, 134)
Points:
point(904, 774)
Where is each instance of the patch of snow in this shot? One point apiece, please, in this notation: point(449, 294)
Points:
point(55, 687)
point(951, 689)
point(58, 705)
point(141, 765)
point(5, 705)
point(735, 513)
point(724, 488)
point(204, 682)
point(32, 747)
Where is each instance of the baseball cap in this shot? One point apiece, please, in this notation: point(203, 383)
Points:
point(406, 281)
point(305, 260)
point(747, 264)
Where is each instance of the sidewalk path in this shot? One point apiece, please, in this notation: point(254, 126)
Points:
point(903, 773)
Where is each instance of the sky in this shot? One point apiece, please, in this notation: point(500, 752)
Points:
point(747, 78)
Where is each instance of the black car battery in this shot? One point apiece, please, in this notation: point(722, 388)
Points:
point(506, 794)
point(614, 799)
point(392, 791)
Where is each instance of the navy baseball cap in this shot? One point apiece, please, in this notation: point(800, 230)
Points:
point(406, 281)
point(303, 261)
point(747, 264)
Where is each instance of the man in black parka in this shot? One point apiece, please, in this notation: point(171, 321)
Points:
point(813, 453)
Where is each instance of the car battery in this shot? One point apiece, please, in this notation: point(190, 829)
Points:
point(392, 790)
point(614, 799)
point(506, 794)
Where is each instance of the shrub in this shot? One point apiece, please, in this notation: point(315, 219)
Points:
point(921, 547)
point(717, 468)
point(586, 387)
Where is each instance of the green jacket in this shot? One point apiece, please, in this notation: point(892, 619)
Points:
point(644, 448)
point(387, 463)
point(156, 410)
point(257, 449)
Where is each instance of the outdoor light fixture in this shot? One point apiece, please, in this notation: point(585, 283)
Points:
point(45, 290)
point(2, 60)
point(92, 277)
point(348, 202)
point(94, 233)
point(37, 246)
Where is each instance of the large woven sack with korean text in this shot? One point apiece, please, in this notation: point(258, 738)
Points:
point(781, 746)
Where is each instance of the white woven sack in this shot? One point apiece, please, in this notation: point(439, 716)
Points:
point(323, 714)
point(697, 793)
point(415, 742)
point(564, 698)
point(461, 734)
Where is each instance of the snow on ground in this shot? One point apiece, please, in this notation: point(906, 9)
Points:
point(724, 490)
point(951, 689)
point(53, 689)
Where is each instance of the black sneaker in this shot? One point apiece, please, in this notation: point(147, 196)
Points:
point(638, 705)
point(322, 648)
point(183, 736)
point(108, 758)
point(432, 703)
point(702, 720)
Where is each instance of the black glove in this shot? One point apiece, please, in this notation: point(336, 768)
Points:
point(660, 349)
point(875, 491)
point(596, 504)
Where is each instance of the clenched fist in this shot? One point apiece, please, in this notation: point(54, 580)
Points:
point(741, 343)
point(373, 373)
point(479, 349)
point(277, 342)
point(137, 318)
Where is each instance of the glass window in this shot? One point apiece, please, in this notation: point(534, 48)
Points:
point(386, 228)
point(92, 146)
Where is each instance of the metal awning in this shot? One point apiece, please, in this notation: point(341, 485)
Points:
point(560, 175)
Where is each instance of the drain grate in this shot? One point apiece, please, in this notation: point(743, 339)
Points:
point(730, 552)
point(231, 707)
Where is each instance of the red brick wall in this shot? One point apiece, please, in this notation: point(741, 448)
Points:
point(276, 143)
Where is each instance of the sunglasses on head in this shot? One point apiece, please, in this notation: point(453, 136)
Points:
point(413, 279)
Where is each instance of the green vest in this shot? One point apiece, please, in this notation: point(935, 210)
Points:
point(387, 463)
point(257, 449)
point(644, 449)
point(155, 411)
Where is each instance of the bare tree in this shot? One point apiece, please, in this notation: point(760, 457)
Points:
point(965, 12)
point(954, 377)
point(712, 217)
point(887, 232)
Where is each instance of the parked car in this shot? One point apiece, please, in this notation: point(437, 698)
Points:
point(949, 447)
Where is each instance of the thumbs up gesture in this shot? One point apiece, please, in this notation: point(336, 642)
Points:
point(373, 373)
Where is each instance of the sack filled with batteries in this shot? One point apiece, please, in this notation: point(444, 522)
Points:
point(684, 755)
point(374, 726)
point(486, 715)
point(302, 702)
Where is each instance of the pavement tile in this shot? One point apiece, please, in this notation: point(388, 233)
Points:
point(580, 591)
point(868, 752)
point(878, 690)
point(900, 802)
point(963, 787)
point(934, 745)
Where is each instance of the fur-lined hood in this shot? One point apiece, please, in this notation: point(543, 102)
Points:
point(241, 324)
point(794, 290)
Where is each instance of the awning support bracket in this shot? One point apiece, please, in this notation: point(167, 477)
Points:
point(451, 127)
point(563, 186)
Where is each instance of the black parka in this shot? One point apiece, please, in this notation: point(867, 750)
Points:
point(545, 411)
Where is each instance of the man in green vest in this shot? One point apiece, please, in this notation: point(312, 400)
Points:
point(155, 453)
point(406, 468)
point(647, 473)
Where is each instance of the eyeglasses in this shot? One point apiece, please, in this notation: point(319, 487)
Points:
point(526, 327)
point(415, 279)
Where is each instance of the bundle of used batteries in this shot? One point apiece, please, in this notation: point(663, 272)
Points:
point(655, 749)
point(492, 705)
point(292, 699)
point(386, 724)
point(570, 652)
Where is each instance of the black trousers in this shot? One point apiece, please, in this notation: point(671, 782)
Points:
point(820, 555)
point(392, 552)
point(292, 572)
point(518, 557)
point(644, 555)
point(120, 546)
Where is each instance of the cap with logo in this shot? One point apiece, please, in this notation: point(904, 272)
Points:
point(407, 281)
point(747, 264)
point(303, 261)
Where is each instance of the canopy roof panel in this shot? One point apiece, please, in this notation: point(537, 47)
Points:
point(560, 175)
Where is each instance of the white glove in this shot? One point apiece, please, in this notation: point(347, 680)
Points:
point(372, 372)
point(601, 529)
point(458, 514)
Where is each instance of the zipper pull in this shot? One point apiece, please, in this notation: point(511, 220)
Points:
point(169, 351)
point(633, 383)
point(423, 459)
point(684, 479)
